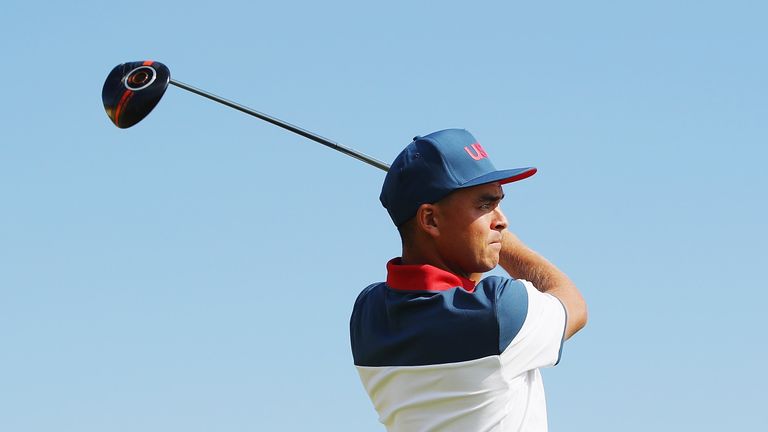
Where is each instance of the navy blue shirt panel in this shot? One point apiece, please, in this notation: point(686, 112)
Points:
point(511, 310)
point(413, 328)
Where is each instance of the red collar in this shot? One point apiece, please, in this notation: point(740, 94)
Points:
point(423, 277)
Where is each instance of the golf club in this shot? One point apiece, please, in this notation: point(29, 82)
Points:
point(133, 89)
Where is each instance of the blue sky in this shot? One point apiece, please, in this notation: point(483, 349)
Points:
point(197, 271)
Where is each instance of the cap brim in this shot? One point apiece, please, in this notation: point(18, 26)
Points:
point(502, 176)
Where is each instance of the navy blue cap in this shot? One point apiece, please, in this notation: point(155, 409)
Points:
point(433, 166)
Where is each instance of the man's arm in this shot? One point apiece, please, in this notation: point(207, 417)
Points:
point(523, 263)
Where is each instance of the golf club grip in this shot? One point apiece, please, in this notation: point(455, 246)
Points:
point(277, 122)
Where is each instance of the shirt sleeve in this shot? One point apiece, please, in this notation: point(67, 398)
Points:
point(538, 340)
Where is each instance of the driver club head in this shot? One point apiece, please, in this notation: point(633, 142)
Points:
point(132, 90)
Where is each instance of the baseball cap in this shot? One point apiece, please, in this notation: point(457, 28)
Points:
point(433, 166)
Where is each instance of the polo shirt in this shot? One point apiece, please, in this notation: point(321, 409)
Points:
point(435, 352)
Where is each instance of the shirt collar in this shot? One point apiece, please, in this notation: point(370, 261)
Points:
point(423, 277)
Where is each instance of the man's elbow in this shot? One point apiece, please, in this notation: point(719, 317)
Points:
point(577, 317)
point(583, 316)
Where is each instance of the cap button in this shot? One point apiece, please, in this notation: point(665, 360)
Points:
point(416, 137)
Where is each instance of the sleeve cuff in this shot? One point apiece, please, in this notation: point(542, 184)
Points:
point(562, 339)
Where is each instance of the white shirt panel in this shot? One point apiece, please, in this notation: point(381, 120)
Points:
point(456, 397)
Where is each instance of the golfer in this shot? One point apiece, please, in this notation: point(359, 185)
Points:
point(436, 347)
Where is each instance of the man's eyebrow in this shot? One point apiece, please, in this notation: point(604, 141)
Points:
point(491, 197)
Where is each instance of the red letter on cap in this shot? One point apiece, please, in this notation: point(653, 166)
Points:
point(479, 151)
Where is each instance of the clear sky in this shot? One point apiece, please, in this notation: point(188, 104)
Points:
point(197, 272)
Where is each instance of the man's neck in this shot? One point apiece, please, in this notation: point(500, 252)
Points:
point(413, 257)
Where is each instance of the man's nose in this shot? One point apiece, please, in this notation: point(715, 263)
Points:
point(500, 221)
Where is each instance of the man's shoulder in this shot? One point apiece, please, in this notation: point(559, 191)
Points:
point(368, 291)
point(387, 324)
point(500, 286)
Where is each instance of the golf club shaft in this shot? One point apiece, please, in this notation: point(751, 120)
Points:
point(277, 122)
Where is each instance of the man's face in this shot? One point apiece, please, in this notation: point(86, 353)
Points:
point(470, 223)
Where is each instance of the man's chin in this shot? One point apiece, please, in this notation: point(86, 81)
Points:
point(481, 266)
point(488, 266)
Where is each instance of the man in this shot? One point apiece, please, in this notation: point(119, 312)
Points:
point(438, 349)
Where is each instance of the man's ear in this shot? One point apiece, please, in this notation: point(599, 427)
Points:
point(427, 219)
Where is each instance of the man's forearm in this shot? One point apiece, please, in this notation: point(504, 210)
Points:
point(523, 263)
